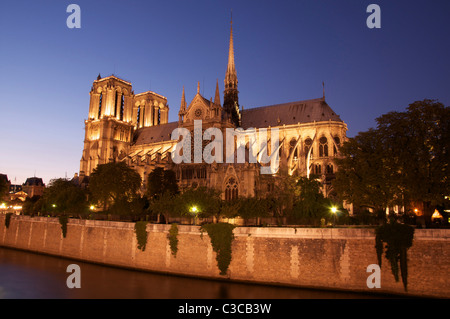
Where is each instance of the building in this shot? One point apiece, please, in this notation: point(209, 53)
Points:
point(33, 186)
point(134, 128)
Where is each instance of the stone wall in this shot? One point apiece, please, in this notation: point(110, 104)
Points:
point(332, 258)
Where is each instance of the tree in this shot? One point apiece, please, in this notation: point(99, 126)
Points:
point(167, 204)
point(311, 205)
point(161, 181)
point(364, 177)
point(4, 186)
point(401, 162)
point(418, 141)
point(32, 205)
point(280, 200)
point(252, 207)
point(200, 202)
point(114, 183)
point(63, 197)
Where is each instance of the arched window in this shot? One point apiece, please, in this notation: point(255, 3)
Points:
point(318, 169)
point(138, 115)
point(115, 105)
point(323, 147)
point(231, 189)
point(292, 144)
point(122, 105)
point(329, 169)
point(100, 105)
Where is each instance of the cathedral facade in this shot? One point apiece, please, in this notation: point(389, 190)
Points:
point(134, 128)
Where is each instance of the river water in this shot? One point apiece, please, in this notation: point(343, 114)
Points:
point(26, 275)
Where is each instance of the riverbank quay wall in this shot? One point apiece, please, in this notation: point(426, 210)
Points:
point(323, 258)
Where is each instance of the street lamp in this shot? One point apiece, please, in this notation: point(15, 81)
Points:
point(334, 211)
point(194, 211)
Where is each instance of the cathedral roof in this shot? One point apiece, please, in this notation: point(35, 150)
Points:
point(259, 117)
point(155, 134)
point(288, 113)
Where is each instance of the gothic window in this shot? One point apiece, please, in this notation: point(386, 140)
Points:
point(329, 169)
point(201, 172)
point(323, 147)
point(100, 105)
point(308, 145)
point(318, 169)
point(115, 105)
point(138, 115)
point(231, 189)
point(292, 144)
point(122, 104)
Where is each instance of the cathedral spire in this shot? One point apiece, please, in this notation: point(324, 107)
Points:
point(182, 111)
point(231, 70)
point(217, 97)
point(230, 99)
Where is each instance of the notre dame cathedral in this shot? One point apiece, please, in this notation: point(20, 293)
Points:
point(134, 128)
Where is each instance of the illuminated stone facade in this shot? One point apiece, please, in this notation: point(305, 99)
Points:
point(123, 126)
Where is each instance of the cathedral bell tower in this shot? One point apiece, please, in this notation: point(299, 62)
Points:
point(230, 99)
point(109, 127)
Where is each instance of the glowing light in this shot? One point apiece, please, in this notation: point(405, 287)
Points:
point(334, 210)
point(54, 205)
point(92, 207)
point(436, 214)
point(3, 205)
point(194, 209)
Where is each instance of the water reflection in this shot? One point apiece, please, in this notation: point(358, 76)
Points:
point(34, 276)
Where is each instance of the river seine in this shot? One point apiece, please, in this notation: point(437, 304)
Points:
point(26, 275)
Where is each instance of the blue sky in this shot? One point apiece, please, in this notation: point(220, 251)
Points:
point(283, 52)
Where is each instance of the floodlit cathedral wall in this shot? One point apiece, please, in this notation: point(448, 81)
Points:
point(134, 128)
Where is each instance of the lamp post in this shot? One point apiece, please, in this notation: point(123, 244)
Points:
point(334, 211)
point(194, 210)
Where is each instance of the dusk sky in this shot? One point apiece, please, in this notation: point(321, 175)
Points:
point(284, 50)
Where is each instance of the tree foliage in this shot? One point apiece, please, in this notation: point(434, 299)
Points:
point(161, 181)
point(201, 202)
point(114, 183)
point(167, 205)
point(404, 160)
point(364, 177)
point(3, 188)
point(252, 207)
point(310, 205)
point(63, 197)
